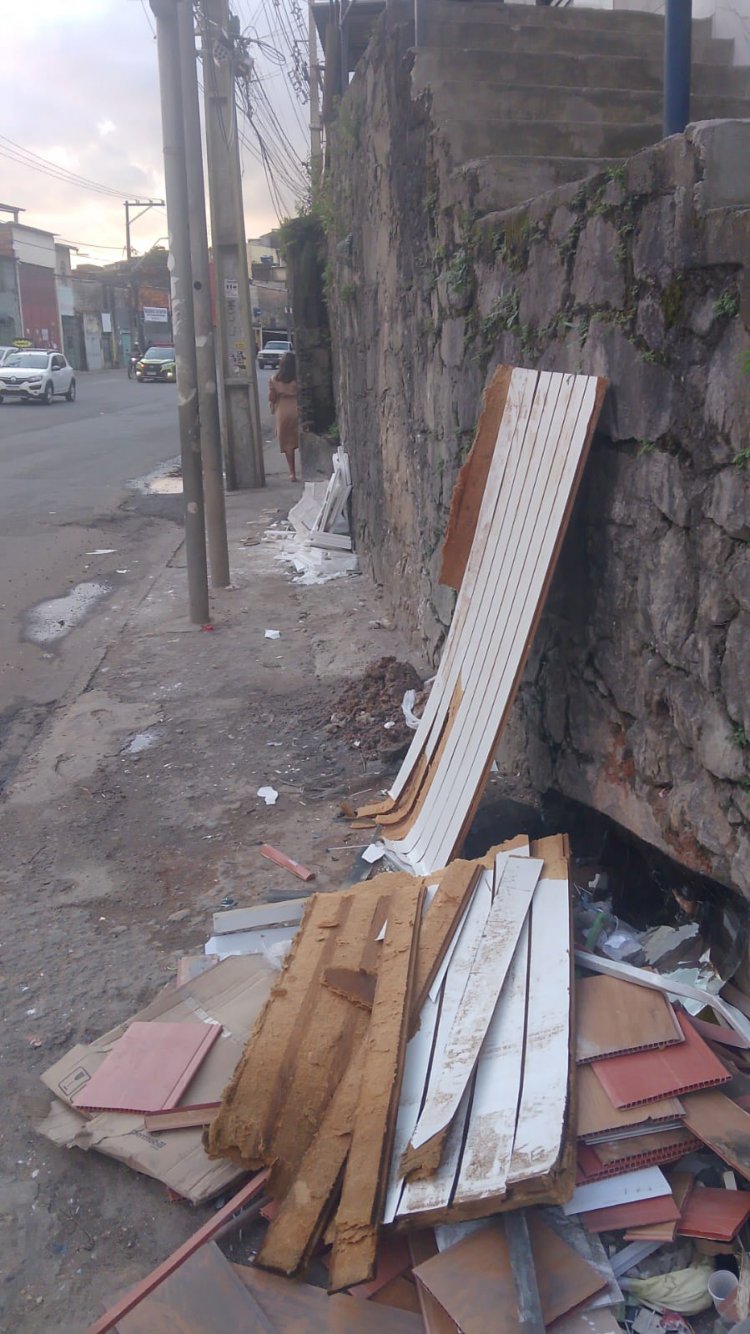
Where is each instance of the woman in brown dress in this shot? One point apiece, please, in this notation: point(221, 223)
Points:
point(282, 396)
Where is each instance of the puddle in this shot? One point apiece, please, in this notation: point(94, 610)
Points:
point(53, 620)
point(141, 741)
point(166, 480)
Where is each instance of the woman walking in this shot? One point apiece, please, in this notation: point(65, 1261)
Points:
point(282, 396)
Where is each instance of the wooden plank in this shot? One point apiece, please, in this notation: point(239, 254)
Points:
point(491, 1129)
point(360, 1210)
point(182, 1118)
point(549, 454)
point(302, 1217)
point(401, 1292)
point(120, 1309)
point(645, 1076)
point(447, 679)
point(722, 1126)
point(632, 1214)
point(416, 1070)
point(286, 863)
point(613, 1017)
point(462, 964)
point(261, 915)
point(469, 488)
point(501, 648)
point(487, 974)
point(544, 1103)
point(300, 1047)
point(671, 986)
point(457, 883)
point(203, 1295)
point(473, 1280)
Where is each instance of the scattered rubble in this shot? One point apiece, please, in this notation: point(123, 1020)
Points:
point(364, 710)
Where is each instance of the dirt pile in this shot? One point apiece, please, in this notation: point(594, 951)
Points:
point(367, 714)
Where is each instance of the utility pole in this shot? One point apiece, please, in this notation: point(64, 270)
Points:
point(316, 136)
point(678, 31)
point(244, 457)
point(205, 351)
point(144, 205)
point(165, 12)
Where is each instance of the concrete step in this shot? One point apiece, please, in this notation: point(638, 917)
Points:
point(575, 16)
point(532, 138)
point(498, 101)
point(436, 64)
point(556, 39)
point(494, 183)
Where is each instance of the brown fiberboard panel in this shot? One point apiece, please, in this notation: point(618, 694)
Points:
point(613, 1017)
point(722, 1126)
point(299, 1308)
point(715, 1215)
point(474, 1278)
point(269, 1107)
point(423, 1246)
point(202, 1296)
point(680, 1184)
point(366, 1176)
point(466, 501)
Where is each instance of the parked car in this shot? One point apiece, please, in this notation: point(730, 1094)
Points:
point(158, 363)
point(37, 374)
point(6, 352)
point(271, 354)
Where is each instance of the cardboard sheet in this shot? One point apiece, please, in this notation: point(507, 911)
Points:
point(232, 994)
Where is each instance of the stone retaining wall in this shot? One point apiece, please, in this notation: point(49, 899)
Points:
point(636, 698)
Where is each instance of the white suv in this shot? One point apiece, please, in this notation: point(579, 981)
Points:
point(36, 373)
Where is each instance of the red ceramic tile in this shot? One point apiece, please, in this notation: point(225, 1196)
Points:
point(149, 1068)
point(647, 1076)
point(715, 1215)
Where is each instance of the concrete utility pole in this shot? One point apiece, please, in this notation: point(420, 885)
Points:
point(244, 460)
point(205, 351)
point(316, 135)
point(165, 12)
point(678, 31)
point(144, 205)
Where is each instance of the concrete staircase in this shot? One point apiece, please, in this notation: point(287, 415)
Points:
point(526, 98)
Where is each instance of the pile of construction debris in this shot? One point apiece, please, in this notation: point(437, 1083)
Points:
point(448, 1083)
point(317, 541)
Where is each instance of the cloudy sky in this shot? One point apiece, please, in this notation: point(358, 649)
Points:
point(80, 88)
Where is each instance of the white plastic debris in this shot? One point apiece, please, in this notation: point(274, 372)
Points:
point(373, 853)
point(407, 708)
point(269, 795)
point(273, 634)
point(389, 725)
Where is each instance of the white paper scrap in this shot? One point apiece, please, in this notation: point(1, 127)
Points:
point(269, 795)
point(273, 634)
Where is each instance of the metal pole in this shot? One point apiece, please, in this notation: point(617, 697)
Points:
point(244, 461)
point(208, 397)
point(165, 12)
point(128, 247)
point(316, 138)
point(678, 29)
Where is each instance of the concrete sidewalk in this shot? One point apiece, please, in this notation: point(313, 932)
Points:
point(125, 827)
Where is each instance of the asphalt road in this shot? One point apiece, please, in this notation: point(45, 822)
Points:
point(65, 475)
